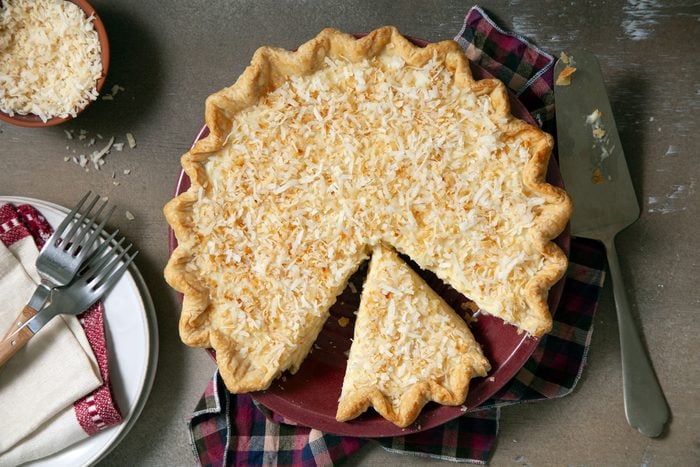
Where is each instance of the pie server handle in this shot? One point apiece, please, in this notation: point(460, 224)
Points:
point(645, 406)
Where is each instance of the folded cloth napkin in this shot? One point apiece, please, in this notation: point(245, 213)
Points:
point(228, 429)
point(55, 391)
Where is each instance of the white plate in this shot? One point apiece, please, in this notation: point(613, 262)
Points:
point(132, 340)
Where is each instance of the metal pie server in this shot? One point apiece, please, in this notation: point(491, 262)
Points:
point(596, 177)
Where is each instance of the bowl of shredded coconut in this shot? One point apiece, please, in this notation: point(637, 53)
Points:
point(54, 57)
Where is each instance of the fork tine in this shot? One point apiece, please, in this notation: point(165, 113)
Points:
point(87, 225)
point(101, 257)
point(101, 226)
point(110, 280)
point(107, 270)
point(83, 245)
point(56, 236)
point(66, 241)
point(101, 248)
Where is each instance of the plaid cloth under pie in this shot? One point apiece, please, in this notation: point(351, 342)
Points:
point(229, 429)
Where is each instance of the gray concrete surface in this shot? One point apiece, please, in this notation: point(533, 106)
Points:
point(170, 55)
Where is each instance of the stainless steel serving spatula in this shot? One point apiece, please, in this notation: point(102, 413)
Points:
point(597, 179)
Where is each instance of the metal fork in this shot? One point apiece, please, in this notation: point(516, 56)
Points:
point(65, 251)
point(69, 246)
point(94, 279)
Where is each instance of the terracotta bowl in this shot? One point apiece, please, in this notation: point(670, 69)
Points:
point(31, 120)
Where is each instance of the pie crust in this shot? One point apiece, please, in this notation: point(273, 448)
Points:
point(409, 347)
point(459, 186)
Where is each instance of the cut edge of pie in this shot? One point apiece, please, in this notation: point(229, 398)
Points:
point(382, 314)
point(269, 68)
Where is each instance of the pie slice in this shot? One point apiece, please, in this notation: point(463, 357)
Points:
point(318, 155)
point(409, 347)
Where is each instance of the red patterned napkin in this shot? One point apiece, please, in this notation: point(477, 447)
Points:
point(22, 230)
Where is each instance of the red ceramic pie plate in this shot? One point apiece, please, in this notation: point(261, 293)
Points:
point(310, 397)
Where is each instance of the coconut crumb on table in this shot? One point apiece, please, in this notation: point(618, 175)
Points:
point(129, 216)
point(97, 157)
point(109, 96)
point(131, 140)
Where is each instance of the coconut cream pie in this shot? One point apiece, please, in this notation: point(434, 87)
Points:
point(318, 155)
point(409, 346)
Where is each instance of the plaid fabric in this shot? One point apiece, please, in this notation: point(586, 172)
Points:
point(525, 69)
point(556, 364)
point(233, 430)
point(470, 438)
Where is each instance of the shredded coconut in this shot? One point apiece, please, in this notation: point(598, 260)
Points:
point(564, 78)
point(406, 337)
point(328, 165)
point(49, 58)
point(116, 88)
point(97, 157)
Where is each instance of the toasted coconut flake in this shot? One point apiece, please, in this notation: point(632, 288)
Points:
point(131, 140)
point(303, 174)
point(50, 60)
point(564, 78)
